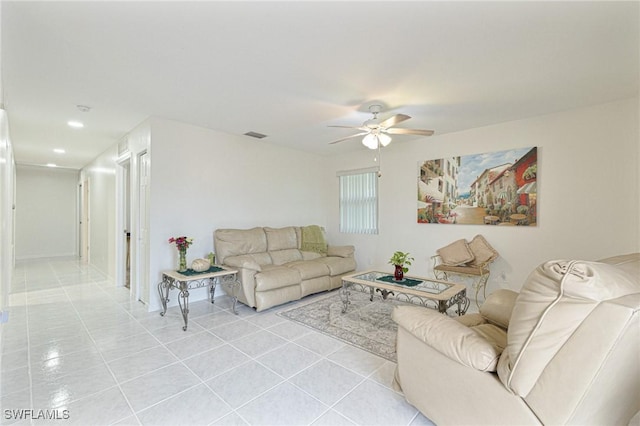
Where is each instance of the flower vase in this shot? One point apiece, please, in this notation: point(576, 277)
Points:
point(182, 267)
point(398, 275)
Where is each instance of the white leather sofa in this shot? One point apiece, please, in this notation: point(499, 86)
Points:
point(565, 350)
point(274, 270)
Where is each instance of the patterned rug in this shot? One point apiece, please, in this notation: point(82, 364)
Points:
point(367, 325)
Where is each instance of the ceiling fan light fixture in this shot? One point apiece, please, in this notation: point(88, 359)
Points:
point(375, 139)
point(370, 141)
point(376, 131)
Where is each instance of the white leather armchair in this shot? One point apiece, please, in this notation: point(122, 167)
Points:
point(565, 350)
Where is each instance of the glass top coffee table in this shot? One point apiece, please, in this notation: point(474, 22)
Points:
point(427, 292)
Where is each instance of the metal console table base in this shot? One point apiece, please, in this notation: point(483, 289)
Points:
point(183, 283)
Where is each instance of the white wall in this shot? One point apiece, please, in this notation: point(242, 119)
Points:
point(202, 180)
point(7, 199)
point(588, 190)
point(7, 180)
point(46, 212)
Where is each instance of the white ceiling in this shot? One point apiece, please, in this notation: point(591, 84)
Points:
point(290, 69)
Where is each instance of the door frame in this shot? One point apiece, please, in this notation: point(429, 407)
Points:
point(123, 203)
point(85, 236)
point(140, 238)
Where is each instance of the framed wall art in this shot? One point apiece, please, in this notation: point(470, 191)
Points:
point(496, 188)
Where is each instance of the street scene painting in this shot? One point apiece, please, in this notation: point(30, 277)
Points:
point(495, 189)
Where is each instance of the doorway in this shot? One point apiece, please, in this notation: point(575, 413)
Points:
point(142, 250)
point(84, 221)
point(123, 223)
point(132, 224)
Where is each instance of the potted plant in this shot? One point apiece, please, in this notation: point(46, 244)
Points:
point(399, 260)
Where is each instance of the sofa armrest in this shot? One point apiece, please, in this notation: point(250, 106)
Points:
point(449, 337)
point(242, 261)
point(341, 251)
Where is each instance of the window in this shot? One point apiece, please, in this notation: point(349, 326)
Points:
point(359, 201)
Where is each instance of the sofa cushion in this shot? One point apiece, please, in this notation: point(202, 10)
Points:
point(233, 242)
point(341, 251)
point(309, 269)
point(243, 261)
point(627, 262)
point(280, 257)
point(309, 255)
point(273, 277)
point(338, 265)
point(482, 251)
point(457, 253)
point(281, 238)
point(554, 301)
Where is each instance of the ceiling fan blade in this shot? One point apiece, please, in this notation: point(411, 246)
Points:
point(353, 127)
point(392, 121)
point(349, 137)
point(397, 131)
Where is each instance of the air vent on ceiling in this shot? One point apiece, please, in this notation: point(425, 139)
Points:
point(256, 135)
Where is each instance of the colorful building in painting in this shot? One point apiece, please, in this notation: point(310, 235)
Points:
point(482, 191)
point(525, 171)
point(437, 188)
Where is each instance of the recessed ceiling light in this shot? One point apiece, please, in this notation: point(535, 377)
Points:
point(51, 165)
point(75, 124)
point(59, 151)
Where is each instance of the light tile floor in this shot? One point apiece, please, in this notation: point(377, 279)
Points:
point(76, 346)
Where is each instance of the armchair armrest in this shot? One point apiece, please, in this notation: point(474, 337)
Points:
point(341, 251)
point(449, 337)
point(242, 261)
point(498, 307)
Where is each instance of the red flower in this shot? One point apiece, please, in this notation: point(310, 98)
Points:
point(182, 243)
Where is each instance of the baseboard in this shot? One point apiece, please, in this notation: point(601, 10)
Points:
point(45, 256)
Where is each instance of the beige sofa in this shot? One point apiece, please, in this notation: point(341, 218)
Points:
point(274, 270)
point(565, 350)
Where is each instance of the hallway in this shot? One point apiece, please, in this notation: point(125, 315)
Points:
point(80, 350)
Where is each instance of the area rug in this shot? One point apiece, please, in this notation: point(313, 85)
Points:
point(367, 325)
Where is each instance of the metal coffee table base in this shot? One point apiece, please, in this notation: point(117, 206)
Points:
point(442, 305)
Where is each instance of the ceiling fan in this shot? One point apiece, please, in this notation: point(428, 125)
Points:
point(376, 132)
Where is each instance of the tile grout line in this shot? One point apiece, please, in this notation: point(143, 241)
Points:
point(103, 360)
point(287, 379)
point(113, 297)
point(27, 308)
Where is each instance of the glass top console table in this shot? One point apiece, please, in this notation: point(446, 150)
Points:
point(184, 282)
point(427, 292)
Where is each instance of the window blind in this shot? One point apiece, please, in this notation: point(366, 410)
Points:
point(359, 201)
